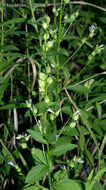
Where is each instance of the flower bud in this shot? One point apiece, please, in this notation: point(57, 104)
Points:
point(72, 124)
point(46, 36)
point(44, 25)
point(49, 44)
point(48, 69)
point(34, 111)
point(47, 100)
point(47, 19)
point(49, 80)
point(52, 117)
point(75, 116)
point(42, 76)
point(54, 10)
point(24, 145)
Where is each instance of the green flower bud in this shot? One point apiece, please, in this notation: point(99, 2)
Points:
point(34, 93)
point(48, 69)
point(41, 84)
point(47, 100)
point(49, 80)
point(57, 113)
point(55, 37)
point(44, 25)
point(35, 111)
point(49, 44)
point(42, 76)
point(65, 17)
point(72, 124)
point(56, 13)
point(51, 32)
point(66, 1)
point(84, 40)
point(24, 145)
point(90, 57)
point(52, 117)
point(93, 53)
point(72, 164)
point(46, 36)
point(75, 116)
point(18, 168)
point(54, 10)
point(47, 19)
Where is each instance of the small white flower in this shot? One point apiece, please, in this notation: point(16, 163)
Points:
point(19, 137)
point(92, 27)
point(11, 163)
point(80, 161)
point(50, 110)
point(101, 46)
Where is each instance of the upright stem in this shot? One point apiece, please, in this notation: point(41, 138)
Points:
point(59, 33)
point(33, 16)
point(2, 19)
point(49, 166)
point(59, 37)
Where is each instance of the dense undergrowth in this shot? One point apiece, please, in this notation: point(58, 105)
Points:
point(52, 95)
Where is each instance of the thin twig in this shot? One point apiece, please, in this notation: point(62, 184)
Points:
point(103, 73)
point(72, 102)
point(94, 106)
point(74, 2)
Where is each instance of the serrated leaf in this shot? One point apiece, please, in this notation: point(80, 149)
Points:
point(98, 175)
point(61, 149)
point(14, 21)
point(11, 106)
point(36, 173)
point(37, 136)
point(67, 184)
point(9, 47)
point(39, 156)
point(97, 186)
point(78, 88)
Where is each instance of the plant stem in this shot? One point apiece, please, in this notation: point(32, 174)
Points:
point(49, 165)
point(33, 16)
point(70, 57)
point(2, 36)
point(59, 39)
point(59, 34)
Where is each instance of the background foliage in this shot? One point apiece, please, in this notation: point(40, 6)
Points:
point(52, 95)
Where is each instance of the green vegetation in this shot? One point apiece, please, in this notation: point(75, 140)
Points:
point(52, 95)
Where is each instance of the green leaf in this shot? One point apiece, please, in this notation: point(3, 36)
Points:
point(36, 173)
point(39, 156)
point(62, 148)
point(67, 184)
point(37, 136)
point(99, 109)
point(102, 19)
point(64, 52)
point(67, 110)
point(74, 131)
point(98, 175)
point(32, 188)
point(78, 88)
point(88, 125)
point(9, 47)
point(97, 186)
point(14, 21)
point(12, 106)
point(99, 98)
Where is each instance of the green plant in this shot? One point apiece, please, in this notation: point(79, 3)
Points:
point(53, 67)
